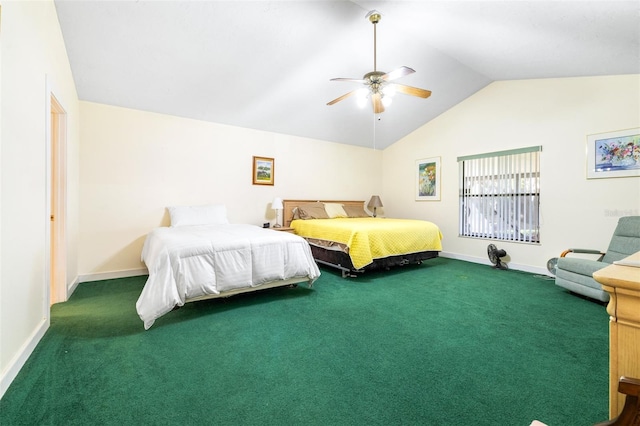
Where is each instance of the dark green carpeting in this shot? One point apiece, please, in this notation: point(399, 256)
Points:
point(444, 343)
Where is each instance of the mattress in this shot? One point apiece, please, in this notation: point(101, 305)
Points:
point(373, 238)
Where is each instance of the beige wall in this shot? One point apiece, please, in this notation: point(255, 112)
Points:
point(134, 164)
point(33, 59)
point(557, 114)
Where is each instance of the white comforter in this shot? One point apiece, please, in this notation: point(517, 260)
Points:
point(192, 261)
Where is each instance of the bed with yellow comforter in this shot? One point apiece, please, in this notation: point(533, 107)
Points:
point(357, 244)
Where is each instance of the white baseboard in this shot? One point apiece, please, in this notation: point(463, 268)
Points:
point(125, 273)
point(10, 373)
point(111, 275)
point(72, 287)
point(22, 356)
point(484, 261)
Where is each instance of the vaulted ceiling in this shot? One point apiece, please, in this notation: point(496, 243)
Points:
point(267, 65)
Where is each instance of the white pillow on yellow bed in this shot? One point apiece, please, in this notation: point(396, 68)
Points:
point(334, 210)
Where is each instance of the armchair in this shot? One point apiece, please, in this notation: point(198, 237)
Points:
point(576, 274)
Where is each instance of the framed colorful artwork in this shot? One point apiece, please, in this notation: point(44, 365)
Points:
point(263, 170)
point(613, 154)
point(428, 179)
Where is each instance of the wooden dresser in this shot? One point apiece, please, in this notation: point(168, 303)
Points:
point(623, 285)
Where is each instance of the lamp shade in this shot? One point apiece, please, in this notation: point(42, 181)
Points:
point(375, 202)
point(276, 204)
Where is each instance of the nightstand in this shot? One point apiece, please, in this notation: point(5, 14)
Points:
point(284, 229)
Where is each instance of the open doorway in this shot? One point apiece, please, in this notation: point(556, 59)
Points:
point(58, 202)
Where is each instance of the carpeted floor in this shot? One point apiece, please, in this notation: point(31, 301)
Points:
point(444, 343)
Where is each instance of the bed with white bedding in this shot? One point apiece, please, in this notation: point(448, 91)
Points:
point(194, 262)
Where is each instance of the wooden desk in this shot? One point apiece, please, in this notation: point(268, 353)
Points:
point(623, 285)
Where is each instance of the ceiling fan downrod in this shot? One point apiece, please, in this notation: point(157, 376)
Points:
point(374, 17)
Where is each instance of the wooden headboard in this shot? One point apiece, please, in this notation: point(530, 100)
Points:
point(289, 205)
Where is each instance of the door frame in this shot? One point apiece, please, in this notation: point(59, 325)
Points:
point(56, 199)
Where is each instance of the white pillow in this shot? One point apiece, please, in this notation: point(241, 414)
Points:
point(215, 214)
point(334, 210)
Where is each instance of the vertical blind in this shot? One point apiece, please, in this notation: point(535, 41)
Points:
point(500, 195)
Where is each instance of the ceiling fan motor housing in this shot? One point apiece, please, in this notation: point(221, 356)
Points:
point(374, 80)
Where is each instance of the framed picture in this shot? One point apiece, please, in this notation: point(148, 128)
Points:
point(613, 154)
point(428, 179)
point(263, 170)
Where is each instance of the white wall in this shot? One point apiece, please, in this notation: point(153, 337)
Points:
point(33, 52)
point(134, 164)
point(557, 114)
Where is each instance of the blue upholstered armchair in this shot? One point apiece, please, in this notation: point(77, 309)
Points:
point(575, 274)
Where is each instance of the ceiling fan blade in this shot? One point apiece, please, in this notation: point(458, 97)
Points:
point(413, 91)
point(345, 96)
point(376, 99)
point(397, 73)
point(348, 79)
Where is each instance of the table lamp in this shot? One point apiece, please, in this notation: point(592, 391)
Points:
point(375, 202)
point(276, 205)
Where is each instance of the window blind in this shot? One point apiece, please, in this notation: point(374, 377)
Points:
point(500, 195)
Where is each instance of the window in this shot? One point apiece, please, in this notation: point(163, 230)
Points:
point(500, 195)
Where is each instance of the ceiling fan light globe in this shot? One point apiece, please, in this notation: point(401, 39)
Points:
point(386, 101)
point(362, 96)
point(389, 91)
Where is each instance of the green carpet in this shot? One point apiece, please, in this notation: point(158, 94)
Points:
point(444, 343)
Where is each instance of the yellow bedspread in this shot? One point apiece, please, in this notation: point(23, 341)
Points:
point(373, 238)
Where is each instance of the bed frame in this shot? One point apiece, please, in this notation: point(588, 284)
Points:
point(342, 261)
point(291, 282)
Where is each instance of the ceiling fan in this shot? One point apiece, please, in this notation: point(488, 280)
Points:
point(378, 83)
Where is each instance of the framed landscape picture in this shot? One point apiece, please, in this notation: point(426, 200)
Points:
point(613, 154)
point(428, 179)
point(263, 170)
